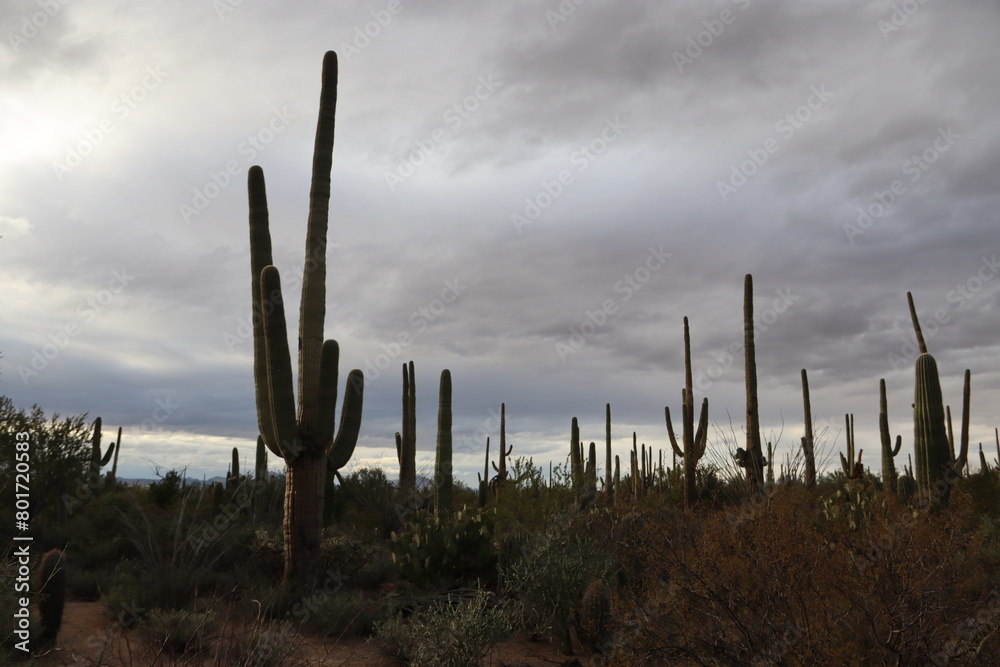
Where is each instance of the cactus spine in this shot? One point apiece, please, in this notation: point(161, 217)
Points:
point(51, 594)
point(694, 441)
point(808, 441)
point(302, 434)
point(406, 442)
point(442, 462)
point(889, 475)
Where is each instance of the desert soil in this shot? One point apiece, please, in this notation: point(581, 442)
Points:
point(88, 635)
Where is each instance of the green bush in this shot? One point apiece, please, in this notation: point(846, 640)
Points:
point(447, 635)
point(552, 573)
point(434, 551)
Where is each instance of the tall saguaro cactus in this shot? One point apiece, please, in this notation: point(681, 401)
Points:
point(753, 457)
point(406, 441)
point(808, 440)
point(302, 434)
point(607, 450)
point(694, 441)
point(930, 441)
point(442, 462)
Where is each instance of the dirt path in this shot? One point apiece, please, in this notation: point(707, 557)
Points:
point(88, 635)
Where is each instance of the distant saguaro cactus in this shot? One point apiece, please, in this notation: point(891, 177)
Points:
point(694, 441)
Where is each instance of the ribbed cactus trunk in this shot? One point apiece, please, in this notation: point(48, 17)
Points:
point(301, 433)
point(889, 475)
point(754, 459)
point(930, 440)
point(575, 456)
point(808, 440)
point(406, 441)
point(442, 463)
point(608, 481)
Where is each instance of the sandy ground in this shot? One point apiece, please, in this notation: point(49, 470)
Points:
point(88, 636)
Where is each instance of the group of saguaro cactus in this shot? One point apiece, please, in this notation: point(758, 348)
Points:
point(693, 441)
point(302, 434)
point(496, 484)
point(852, 469)
point(583, 474)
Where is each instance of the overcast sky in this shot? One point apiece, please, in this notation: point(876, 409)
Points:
point(531, 194)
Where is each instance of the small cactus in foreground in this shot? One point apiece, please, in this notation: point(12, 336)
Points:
point(51, 594)
point(594, 616)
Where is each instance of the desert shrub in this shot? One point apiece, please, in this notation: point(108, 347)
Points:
point(174, 558)
point(167, 489)
point(452, 634)
point(785, 580)
point(179, 631)
point(343, 614)
point(549, 577)
point(377, 571)
point(260, 644)
point(374, 497)
point(432, 550)
point(343, 556)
